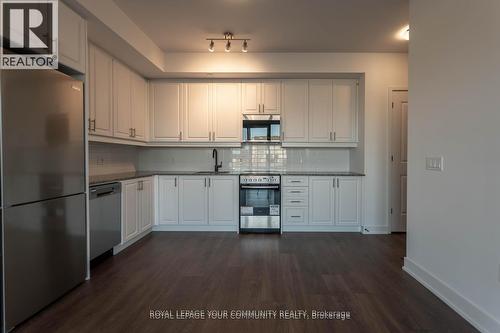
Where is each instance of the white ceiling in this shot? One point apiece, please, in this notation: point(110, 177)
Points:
point(273, 25)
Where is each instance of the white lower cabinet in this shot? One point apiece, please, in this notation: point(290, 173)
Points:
point(193, 205)
point(137, 207)
point(198, 201)
point(322, 203)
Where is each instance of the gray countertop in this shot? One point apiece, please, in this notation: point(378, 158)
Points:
point(109, 178)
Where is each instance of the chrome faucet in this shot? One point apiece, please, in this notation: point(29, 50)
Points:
point(216, 156)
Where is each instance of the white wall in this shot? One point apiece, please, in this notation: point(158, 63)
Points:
point(454, 216)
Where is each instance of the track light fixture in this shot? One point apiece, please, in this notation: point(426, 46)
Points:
point(228, 38)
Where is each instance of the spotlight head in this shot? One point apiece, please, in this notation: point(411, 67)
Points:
point(244, 47)
point(211, 47)
point(228, 46)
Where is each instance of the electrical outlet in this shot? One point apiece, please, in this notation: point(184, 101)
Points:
point(434, 163)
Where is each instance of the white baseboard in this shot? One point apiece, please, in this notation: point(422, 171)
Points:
point(119, 248)
point(181, 227)
point(476, 316)
point(320, 228)
point(375, 230)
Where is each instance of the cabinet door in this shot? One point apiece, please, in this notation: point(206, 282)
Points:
point(193, 203)
point(197, 115)
point(129, 210)
point(348, 199)
point(251, 97)
point(168, 200)
point(138, 94)
point(321, 200)
point(271, 97)
point(320, 110)
point(166, 107)
point(145, 204)
point(121, 101)
point(295, 111)
point(72, 39)
point(227, 120)
point(345, 97)
point(223, 200)
point(101, 104)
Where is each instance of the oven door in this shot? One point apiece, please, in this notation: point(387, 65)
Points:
point(260, 208)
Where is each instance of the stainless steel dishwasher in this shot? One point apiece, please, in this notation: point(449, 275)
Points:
point(105, 218)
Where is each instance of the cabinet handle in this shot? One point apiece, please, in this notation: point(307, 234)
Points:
point(296, 201)
point(205, 182)
point(130, 132)
point(333, 183)
point(175, 182)
point(334, 136)
point(209, 182)
point(295, 192)
point(296, 216)
point(133, 131)
point(93, 125)
point(338, 183)
point(331, 136)
point(213, 135)
point(259, 108)
point(294, 181)
point(283, 136)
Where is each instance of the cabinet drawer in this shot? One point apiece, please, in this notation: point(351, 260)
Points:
point(295, 192)
point(295, 215)
point(299, 202)
point(295, 181)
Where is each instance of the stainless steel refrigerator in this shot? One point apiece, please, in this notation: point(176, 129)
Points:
point(43, 180)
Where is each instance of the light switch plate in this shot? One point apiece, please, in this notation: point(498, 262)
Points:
point(434, 163)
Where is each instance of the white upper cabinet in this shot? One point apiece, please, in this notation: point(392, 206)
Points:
point(226, 119)
point(320, 110)
point(138, 101)
point(100, 92)
point(129, 103)
point(121, 101)
point(271, 97)
point(294, 121)
point(262, 97)
point(72, 38)
point(168, 200)
point(345, 110)
point(348, 203)
point(166, 111)
point(223, 200)
point(193, 203)
point(197, 112)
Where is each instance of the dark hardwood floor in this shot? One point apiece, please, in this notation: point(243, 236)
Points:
point(224, 271)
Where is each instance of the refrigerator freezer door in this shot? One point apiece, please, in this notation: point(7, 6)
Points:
point(43, 135)
point(44, 252)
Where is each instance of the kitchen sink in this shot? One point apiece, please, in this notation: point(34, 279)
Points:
point(211, 172)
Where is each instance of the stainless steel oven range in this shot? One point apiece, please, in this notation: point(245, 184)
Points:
point(260, 203)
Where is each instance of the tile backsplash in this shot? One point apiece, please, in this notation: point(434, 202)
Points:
point(110, 158)
point(249, 157)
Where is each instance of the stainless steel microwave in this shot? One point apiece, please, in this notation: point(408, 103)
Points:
point(261, 128)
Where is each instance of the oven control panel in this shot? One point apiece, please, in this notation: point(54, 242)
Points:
point(259, 180)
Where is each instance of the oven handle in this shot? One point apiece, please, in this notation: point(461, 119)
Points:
point(260, 187)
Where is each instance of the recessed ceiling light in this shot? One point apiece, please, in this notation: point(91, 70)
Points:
point(404, 33)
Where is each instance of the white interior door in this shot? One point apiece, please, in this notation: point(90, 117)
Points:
point(320, 110)
point(227, 120)
point(399, 159)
